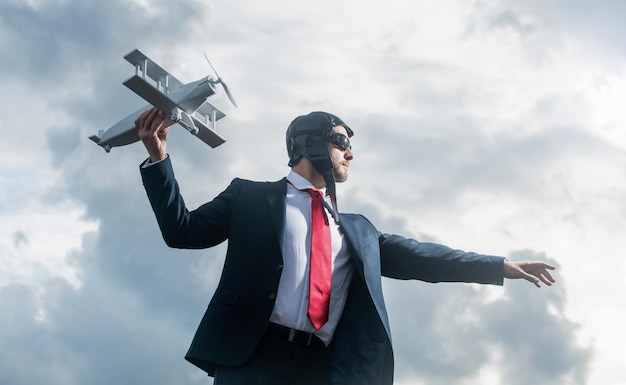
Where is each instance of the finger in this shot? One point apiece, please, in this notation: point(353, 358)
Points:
point(546, 281)
point(534, 280)
point(162, 132)
point(143, 122)
point(547, 266)
point(159, 125)
point(140, 119)
point(538, 276)
point(542, 276)
point(547, 276)
point(152, 122)
point(529, 276)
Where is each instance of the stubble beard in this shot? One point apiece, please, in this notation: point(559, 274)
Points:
point(340, 174)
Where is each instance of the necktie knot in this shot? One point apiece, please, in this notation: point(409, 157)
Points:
point(315, 193)
point(317, 204)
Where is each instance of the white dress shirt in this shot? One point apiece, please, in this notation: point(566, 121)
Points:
point(292, 299)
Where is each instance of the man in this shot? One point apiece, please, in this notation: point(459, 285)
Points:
point(300, 298)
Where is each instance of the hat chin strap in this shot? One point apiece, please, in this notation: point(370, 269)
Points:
point(324, 166)
point(331, 191)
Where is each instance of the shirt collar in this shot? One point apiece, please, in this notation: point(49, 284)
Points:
point(298, 181)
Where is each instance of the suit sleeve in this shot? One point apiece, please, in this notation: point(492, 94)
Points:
point(404, 258)
point(204, 227)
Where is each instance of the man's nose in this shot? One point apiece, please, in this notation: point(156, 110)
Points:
point(348, 154)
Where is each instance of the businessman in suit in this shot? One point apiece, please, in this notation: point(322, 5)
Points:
point(300, 298)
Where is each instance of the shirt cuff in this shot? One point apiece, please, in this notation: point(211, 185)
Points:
point(147, 163)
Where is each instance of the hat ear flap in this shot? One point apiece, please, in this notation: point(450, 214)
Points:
point(316, 146)
point(317, 152)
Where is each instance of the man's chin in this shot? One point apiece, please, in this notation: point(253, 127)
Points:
point(340, 177)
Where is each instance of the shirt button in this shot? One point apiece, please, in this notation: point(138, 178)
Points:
point(280, 266)
point(272, 296)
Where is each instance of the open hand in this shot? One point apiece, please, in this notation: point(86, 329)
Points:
point(532, 271)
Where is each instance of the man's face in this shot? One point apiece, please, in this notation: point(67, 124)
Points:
point(340, 158)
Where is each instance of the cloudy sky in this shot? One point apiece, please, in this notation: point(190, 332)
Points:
point(488, 125)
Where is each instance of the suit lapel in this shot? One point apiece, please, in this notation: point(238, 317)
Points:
point(275, 195)
point(359, 240)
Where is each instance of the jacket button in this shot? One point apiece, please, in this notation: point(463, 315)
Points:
point(272, 296)
point(279, 267)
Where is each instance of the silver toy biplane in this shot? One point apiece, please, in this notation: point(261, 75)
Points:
point(186, 103)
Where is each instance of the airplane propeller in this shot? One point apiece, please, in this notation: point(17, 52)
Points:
point(219, 80)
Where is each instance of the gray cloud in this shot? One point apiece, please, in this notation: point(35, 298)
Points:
point(544, 344)
point(456, 334)
point(550, 24)
point(20, 238)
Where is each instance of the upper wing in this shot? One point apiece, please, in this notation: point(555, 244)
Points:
point(146, 67)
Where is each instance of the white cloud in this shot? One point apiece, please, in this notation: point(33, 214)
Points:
point(37, 242)
point(492, 126)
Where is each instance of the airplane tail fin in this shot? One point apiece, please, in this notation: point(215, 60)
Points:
point(97, 139)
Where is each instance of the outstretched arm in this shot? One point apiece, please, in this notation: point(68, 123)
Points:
point(532, 271)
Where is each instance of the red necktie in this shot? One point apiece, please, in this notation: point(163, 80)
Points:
point(320, 263)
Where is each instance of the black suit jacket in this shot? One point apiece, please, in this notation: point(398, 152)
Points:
point(251, 216)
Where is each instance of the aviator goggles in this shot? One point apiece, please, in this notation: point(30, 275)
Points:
point(339, 140)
